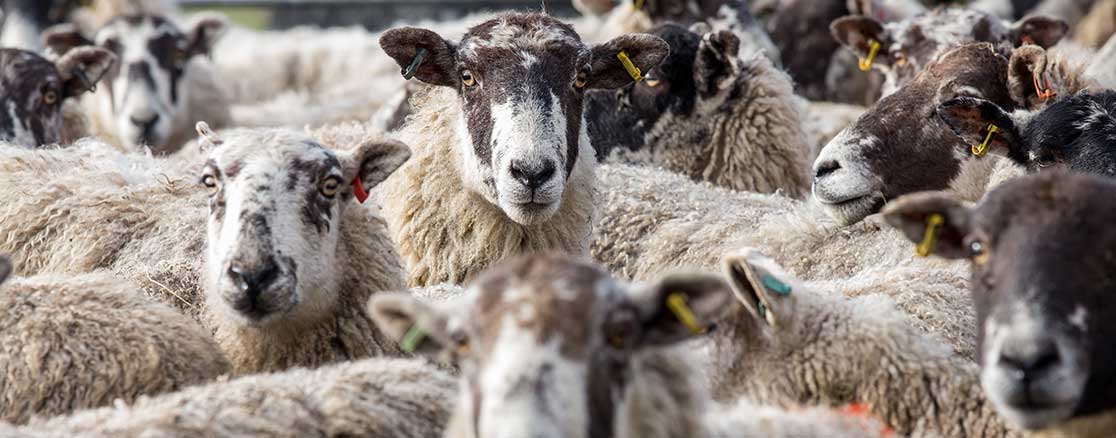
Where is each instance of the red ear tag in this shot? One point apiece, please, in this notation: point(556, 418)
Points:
point(358, 190)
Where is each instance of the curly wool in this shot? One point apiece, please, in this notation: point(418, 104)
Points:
point(375, 398)
point(81, 342)
point(448, 233)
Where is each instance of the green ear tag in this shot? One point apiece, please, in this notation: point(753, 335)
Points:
point(762, 310)
point(412, 339)
point(773, 284)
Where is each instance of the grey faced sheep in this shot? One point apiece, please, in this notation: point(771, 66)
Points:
point(33, 91)
point(289, 258)
point(542, 332)
point(375, 398)
point(80, 342)
point(707, 113)
point(1042, 286)
point(503, 164)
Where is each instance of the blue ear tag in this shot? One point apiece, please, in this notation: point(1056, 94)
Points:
point(762, 310)
point(773, 284)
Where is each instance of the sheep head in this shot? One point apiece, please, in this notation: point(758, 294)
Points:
point(33, 89)
point(522, 80)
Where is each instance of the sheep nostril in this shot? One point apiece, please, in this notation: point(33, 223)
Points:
point(533, 177)
point(1029, 365)
point(826, 168)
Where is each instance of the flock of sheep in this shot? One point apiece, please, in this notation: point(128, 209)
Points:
point(687, 218)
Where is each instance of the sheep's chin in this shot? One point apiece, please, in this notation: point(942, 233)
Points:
point(530, 213)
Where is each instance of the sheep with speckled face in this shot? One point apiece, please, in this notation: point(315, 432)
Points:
point(34, 89)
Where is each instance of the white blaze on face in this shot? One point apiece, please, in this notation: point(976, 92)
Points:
point(20, 134)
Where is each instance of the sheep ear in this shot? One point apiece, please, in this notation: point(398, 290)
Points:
point(717, 65)
point(1026, 72)
point(205, 30)
point(681, 306)
point(374, 161)
point(972, 118)
point(418, 327)
point(1040, 30)
point(82, 68)
point(857, 33)
point(645, 52)
point(761, 286)
point(912, 215)
point(5, 268)
point(59, 39)
point(207, 139)
point(434, 66)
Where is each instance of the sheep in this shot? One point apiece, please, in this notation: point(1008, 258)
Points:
point(706, 113)
point(1042, 302)
point(25, 20)
point(1097, 26)
point(278, 286)
point(789, 343)
point(81, 342)
point(380, 398)
point(536, 332)
point(34, 92)
point(160, 88)
point(503, 164)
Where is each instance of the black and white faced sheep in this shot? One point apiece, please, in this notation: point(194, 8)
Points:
point(25, 20)
point(1076, 132)
point(33, 90)
point(160, 88)
point(550, 347)
point(905, 48)
point(707, 113)
point(1042, 284)
point(503, 163)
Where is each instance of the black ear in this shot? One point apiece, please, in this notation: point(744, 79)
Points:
point(716, 65)
point(433, 64)
point(679, 307)
point(419, 328)
point(82, 68)
point(1040, 30)
point(204, 32)
point(973, 118)
point(59, 39)
point(5, 268)
point(858, 33)
point(643, 50)
point(936, 222)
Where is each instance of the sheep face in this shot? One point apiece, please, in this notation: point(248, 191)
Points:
point(908, 46)
point(275, 211)
point(547, 345)
point(1040, 251)
point(900, 145)
point(32, 90)
point(521, 79)
point(1077, 132)
point(146, 95)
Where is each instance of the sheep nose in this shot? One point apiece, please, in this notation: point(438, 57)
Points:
point(825, 168)
point(145, 123)
point(532, 177)
point(1029, 360)
point(254, 280)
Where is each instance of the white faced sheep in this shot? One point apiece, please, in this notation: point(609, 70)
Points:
point(80, 342)
point(1041, 261)
point(33, 91)
point(160, 88)
point(503, 163)
point(550, 347)
point(375, 398)
point(289, 259)
point(707, 113)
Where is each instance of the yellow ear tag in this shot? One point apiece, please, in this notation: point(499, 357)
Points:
point(676, 302)
point(982, 148)
point(865, 64)
point(637, 5)
point(631, 68)
point(930, 239)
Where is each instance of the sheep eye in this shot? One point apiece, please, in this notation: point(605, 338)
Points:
point(581, 80)
point(180, 58)
point(651, 81)
point(978, 251)
point(50, 97)
point(900, 58)
point(329, 187)
point(468, 79)
point(210, 182)
point(461, 343)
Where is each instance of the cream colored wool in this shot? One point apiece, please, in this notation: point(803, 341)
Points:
point(824, 120)
point(1097, 26)
point(81, 342)
point(747, 419)
point(375, 398)
point(448, 233)
point(144, 219)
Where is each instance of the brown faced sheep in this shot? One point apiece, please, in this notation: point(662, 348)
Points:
point(289, 259)
point(502, 163)
point(33, 91)
point(81, 342)
point(551, 347)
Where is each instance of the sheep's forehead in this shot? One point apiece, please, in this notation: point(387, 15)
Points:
point(300, 158)
point(22, 72)
point(539, 35)
point(554, 300)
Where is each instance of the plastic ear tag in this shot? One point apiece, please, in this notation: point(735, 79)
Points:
point(773, 284)
point(676, 302)
point(865, 64)
point(412, 339)
point(86, 83)
point(633, 71)
point(982, 148)
point(930, 238)
point(358, 190)
point(1042, 94)
point(412, 68)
